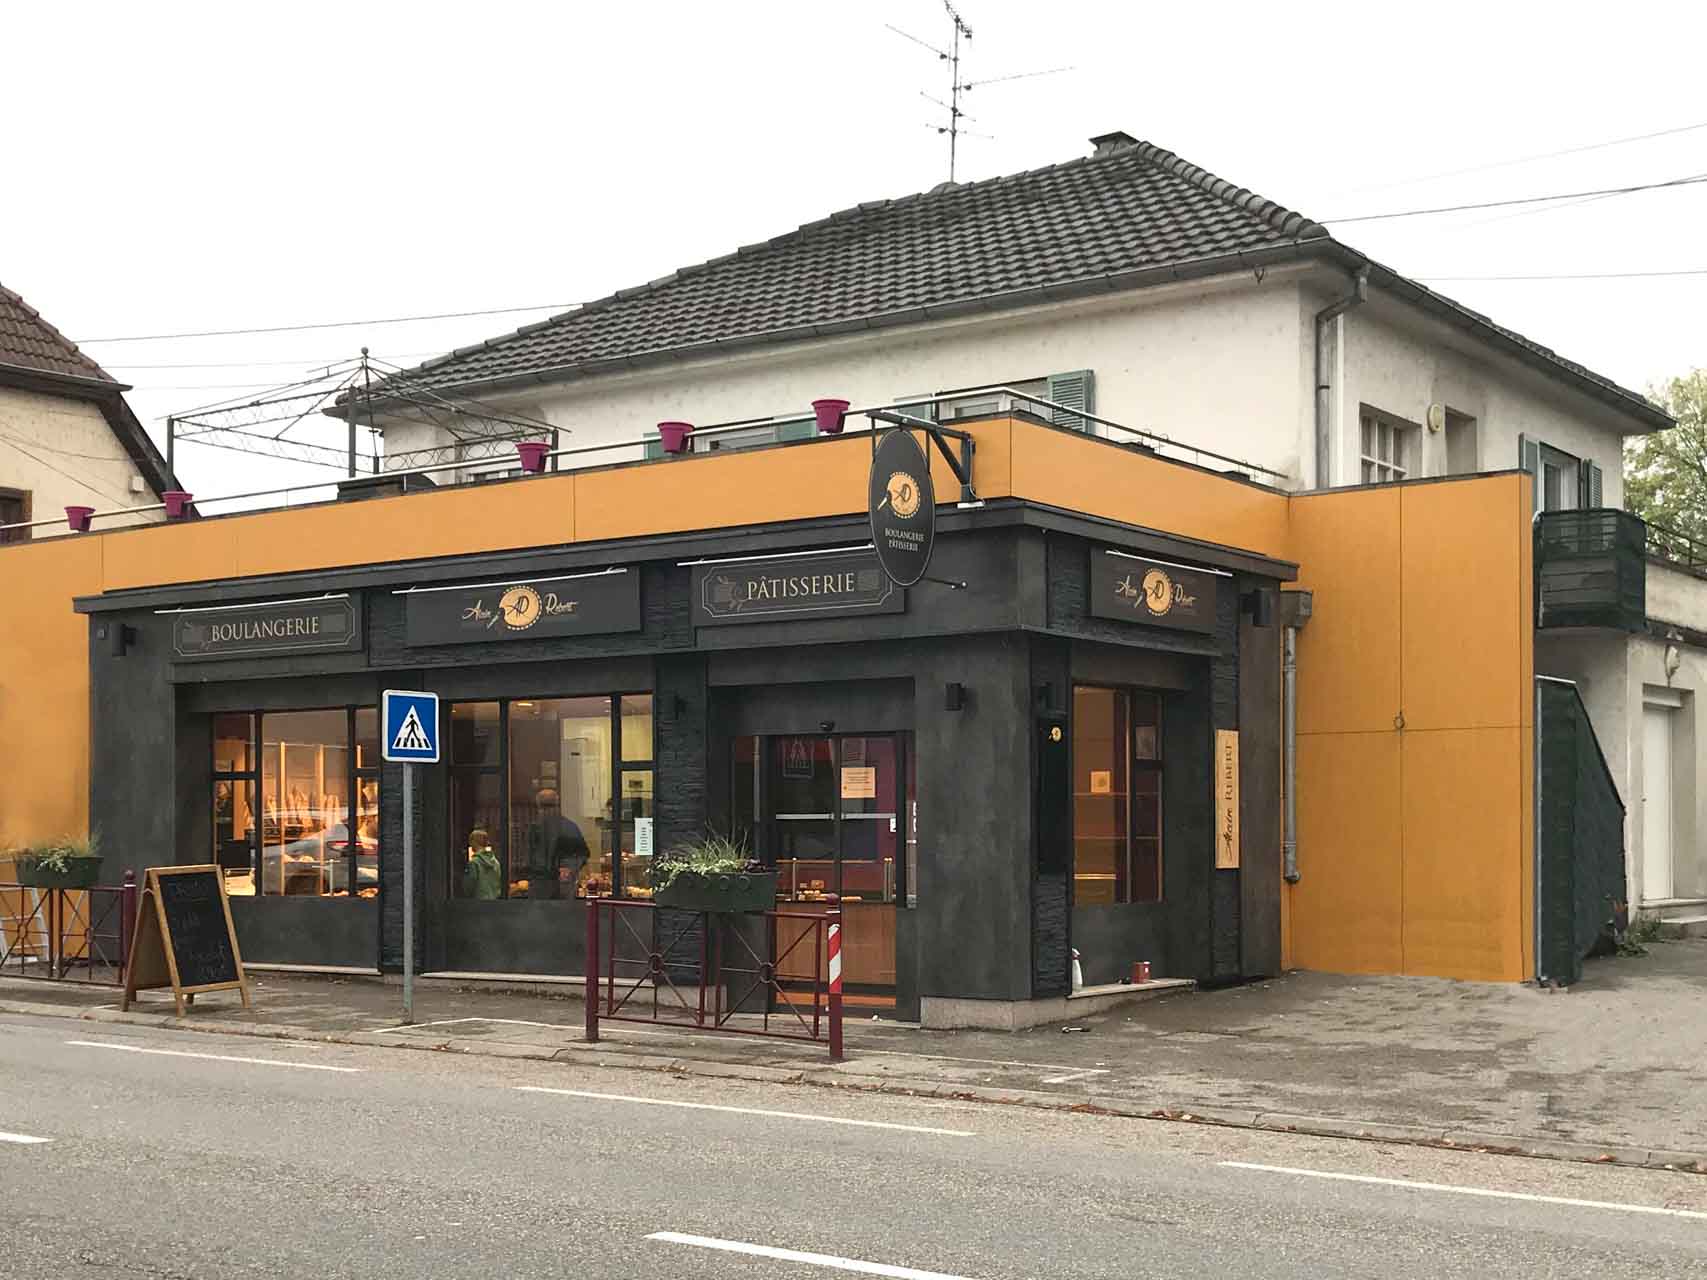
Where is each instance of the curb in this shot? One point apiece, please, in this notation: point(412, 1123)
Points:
point(1441, 1138)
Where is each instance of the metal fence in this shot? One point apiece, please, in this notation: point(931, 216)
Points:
point(698, 970)
point(67, 935)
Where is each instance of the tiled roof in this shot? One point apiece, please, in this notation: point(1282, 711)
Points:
point(28, 341)
point(1086, 219)
point(1130, 214)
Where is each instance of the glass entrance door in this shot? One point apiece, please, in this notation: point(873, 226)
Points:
point(829, 812)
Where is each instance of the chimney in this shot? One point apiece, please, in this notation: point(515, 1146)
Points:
point(1107, 144)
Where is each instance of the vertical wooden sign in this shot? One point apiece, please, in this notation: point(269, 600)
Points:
point(1226, 799)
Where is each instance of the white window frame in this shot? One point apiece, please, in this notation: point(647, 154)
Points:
point(1387, 446)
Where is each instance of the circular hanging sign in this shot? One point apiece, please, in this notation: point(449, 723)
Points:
point(902, 502)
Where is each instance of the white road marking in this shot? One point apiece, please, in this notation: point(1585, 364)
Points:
point(1468, 1191)
point(745, 1111)
point(1076, 1075)
point(22, 1139)
point(211, 1057)
point(795, 1255)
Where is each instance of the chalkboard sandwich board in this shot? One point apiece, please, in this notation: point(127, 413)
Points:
point(184, 937)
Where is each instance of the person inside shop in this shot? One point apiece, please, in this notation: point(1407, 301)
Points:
point(483, 877)
point(557, 851)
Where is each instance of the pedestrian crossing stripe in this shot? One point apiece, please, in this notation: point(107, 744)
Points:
point(411, 736)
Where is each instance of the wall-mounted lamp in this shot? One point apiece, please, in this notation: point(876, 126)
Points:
point(1261, 605)
point(953, 696)
point(678, 706)
point(119, 638)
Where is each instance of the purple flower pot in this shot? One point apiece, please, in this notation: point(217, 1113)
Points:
point(78, 518)
point(532, 453)
point(177, 503)
point(830, 414)
point(674, 436)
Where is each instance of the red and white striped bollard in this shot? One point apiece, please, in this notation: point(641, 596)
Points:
point(835, 953)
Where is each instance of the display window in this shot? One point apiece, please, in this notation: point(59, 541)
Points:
point(551, 798)
point(296, 802)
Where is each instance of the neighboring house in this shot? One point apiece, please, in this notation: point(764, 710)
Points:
point(1137, 288)
point(67, 437)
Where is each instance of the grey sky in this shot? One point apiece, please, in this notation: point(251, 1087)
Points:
point(191, 167)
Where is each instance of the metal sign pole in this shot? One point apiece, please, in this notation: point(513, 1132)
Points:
point(408, 893)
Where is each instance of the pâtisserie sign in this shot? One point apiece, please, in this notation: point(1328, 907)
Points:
point(266, 630)
point(770, 590)
point(538, 609)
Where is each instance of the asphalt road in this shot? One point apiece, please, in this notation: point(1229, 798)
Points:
point(162, 1161)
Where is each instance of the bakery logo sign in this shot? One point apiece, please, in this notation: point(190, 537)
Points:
point(1132, 589)
point(579, 604)
point(902, 504)
point(518, 609)
point(771, 590)
point(272, 629)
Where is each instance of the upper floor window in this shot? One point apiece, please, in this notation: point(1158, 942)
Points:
point(14, 509)
point(1563, 481)
point(1388, 447)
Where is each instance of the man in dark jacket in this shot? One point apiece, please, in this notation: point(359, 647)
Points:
point(557, 851)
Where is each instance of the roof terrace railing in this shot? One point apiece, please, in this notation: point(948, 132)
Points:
point(905, 407)
point(1676, 547)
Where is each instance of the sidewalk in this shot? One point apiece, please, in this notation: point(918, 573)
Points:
point(1611, 1068)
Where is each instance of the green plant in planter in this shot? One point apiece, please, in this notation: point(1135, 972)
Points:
point(67, 863)
point(713, 873)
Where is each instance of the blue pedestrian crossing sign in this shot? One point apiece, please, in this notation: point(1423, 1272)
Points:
point(411, 726)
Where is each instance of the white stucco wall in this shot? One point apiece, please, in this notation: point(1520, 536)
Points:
point(1215, 364)
point(1616, 675)
point(1401, 362)
point(63, 452)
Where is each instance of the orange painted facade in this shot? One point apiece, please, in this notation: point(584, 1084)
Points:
point(1415, 716)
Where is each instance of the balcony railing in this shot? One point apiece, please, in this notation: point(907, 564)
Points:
point(1591, 570)
point(1678, 548)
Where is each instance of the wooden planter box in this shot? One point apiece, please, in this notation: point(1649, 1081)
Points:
point(722, 891)
point(83, 874)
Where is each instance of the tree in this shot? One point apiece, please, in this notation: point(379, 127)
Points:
point(1665, 474)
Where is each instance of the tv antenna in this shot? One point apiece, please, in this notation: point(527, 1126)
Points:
point(958, 88)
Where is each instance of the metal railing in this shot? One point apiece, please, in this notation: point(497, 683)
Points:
point(1676, 547)
point(67, 935)
point(481, 468)
point(696, 970)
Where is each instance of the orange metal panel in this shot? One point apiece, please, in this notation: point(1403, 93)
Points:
point(1081, 473)
point(1345, 909)
point(194, 551)
point(1348, 548)
point(1464, 614)
point(1464, 863)
point(44, 688)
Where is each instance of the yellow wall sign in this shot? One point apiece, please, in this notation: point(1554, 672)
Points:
point(1102, 782)
point(1226, 799)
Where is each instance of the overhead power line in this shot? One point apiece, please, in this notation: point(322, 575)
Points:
point(1529, 159)
point(329, 324)
point(1505, 204)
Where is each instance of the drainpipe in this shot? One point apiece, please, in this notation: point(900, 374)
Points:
point(1324, 386)
point(1296, 607)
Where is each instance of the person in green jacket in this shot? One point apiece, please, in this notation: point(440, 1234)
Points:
point(483, 878)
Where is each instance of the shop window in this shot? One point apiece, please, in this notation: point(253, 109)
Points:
point(1388, 447)
point(551, 798)
point(317, 804)
point(1117, 796)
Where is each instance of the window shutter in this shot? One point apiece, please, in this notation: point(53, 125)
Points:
point(799, 429)
point(654, 446)
point(1529, 459)
point(1073, 391)
point(1591, 484)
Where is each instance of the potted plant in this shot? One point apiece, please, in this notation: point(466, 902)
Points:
point(713, 873)
point(65, 864)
